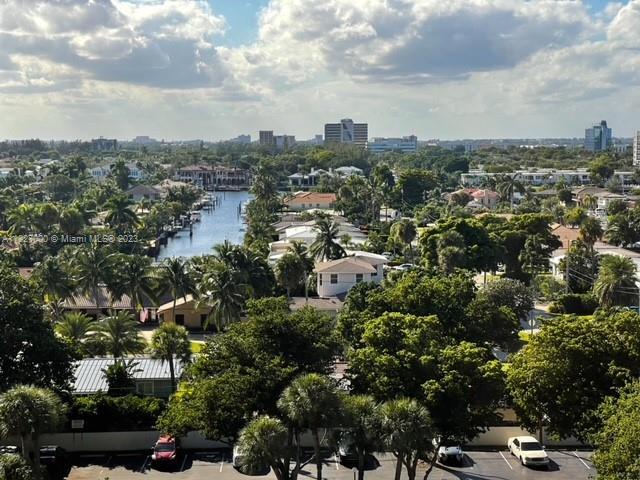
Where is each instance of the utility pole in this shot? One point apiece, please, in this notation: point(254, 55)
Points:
point(566, 267)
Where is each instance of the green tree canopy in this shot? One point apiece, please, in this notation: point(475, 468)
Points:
point(566, 370)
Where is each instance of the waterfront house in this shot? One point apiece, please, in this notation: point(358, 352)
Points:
point(214, 176)
point(310, 201)
point(144, 192)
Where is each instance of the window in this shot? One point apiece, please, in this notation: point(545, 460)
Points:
point(374, 274)
point(334, 278)
point(320, 279)
point(180, 319)
point(203, 319)
point(359, 277)
point(144, 388)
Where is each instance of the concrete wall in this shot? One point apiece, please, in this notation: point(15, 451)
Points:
point(116, 441)
point(131, 441)
point(498, 436)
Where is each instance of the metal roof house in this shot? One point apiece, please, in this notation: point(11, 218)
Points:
point(151, 376)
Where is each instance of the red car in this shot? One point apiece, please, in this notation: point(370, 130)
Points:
point(165, 451)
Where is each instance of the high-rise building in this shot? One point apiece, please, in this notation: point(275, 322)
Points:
point(636, 149)
point(284, 142)
point(405, 144)
point(266, 138)
point(242, 139)
point(346, 132)
point(597, 138)
point(104, 144)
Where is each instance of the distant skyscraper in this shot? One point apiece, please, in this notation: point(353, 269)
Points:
point(266, 138)
point(104, 144)
point(346, 132)
point(284, 142)
point(243, 139)
point(636, 149)
point(597, 138)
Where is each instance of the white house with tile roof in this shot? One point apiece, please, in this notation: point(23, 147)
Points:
point(337, 277)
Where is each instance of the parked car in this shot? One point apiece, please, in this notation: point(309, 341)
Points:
point(529, 451)
point(165, 451)
point(405, 267)
point(53, 455)
point(449, 451)
point(9, 449)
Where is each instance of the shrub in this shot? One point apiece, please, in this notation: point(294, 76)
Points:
point(14, 467)
point(102, 413)
point(576, 303)
point(548, 287)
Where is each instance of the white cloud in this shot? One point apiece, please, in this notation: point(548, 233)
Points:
point(436, 68)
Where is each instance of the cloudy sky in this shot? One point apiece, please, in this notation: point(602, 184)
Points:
point(184, 69)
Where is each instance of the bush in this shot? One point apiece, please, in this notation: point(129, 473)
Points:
point(576, 303)
point(14, 467)
point(548, 287)
point(102, 413)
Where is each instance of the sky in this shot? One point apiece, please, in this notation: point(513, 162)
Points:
point(213, 69)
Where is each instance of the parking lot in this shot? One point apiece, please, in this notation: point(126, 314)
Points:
point(478, 465)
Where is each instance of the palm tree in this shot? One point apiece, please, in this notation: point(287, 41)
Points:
point(22, 219)
point(326, 246)
point(591, 231)
point(170, 341)
point(404, 231)
point(27, 412)
point(71, 220)
point(120, 213)
point(590, 202)
point(120, 335)
point(92, 267)
point(265, 441)
point(508, 185)
point(78, 330)
point(362, 427)
point(616, 282)
point(174, 275)
point(311, 401)
point(120, 172)
point(407, 432)
point(290, 272)
point(224, 293)
point(137, 278)
point(54, 279)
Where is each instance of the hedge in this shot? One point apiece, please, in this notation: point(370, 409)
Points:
point(576, 303)
point(102, 413)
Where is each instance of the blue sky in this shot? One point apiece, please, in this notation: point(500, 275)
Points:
point(242, 18)
point(439, 69)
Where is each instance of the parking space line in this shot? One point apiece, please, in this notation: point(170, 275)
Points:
point(335, 458)
point(106, 465)
point(144, 464)
point(221, 465)
point(184, 461)
point(505, 459)
point(583, 462)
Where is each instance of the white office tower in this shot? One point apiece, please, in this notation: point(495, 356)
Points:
point(636, 149)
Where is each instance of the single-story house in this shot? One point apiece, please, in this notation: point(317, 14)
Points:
point(331, 306)
point(144, 192)
point(186, 313)
point(566, 235)
point(105, 303)
point(337, 277)
point(310, 200)
point(152, 376)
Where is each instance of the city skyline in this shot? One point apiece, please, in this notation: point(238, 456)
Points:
point(186, 69)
